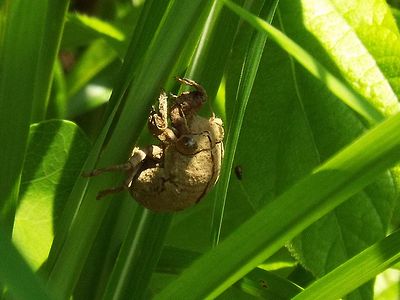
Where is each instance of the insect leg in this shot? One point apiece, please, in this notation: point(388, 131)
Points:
point(95, 172)
point(132, 166)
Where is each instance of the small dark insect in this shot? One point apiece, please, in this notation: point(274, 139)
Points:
point(239, 172)
point(263, 283)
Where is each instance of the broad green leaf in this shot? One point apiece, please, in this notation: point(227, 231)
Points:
point(263, 234)
point(352, 99)
point(55, 155)
point(323, 135)
point(355, 271)
point(362, 39)
point(16, 275)
point(339, 236)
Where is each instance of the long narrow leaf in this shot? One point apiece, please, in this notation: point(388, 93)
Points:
point(134, 267)
point(249, 71)
point(24, 81)
point(52, 27)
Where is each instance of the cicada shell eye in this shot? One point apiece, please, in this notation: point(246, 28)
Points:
point(187, 144)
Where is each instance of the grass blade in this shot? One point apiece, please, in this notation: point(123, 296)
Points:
point(26, 82)
point(133, 268)
point(52, 27)
point(249, 71)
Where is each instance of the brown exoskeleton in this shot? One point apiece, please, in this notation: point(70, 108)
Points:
point(185, 166)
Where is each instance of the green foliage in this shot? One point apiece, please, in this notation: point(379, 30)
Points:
point(16, 274)
point(55, 154)
point(308, 91)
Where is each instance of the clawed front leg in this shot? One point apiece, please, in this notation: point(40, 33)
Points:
point(186, 105)
point(122, 167)
point(158, 118)
point(195, 85)
point(158, 121)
